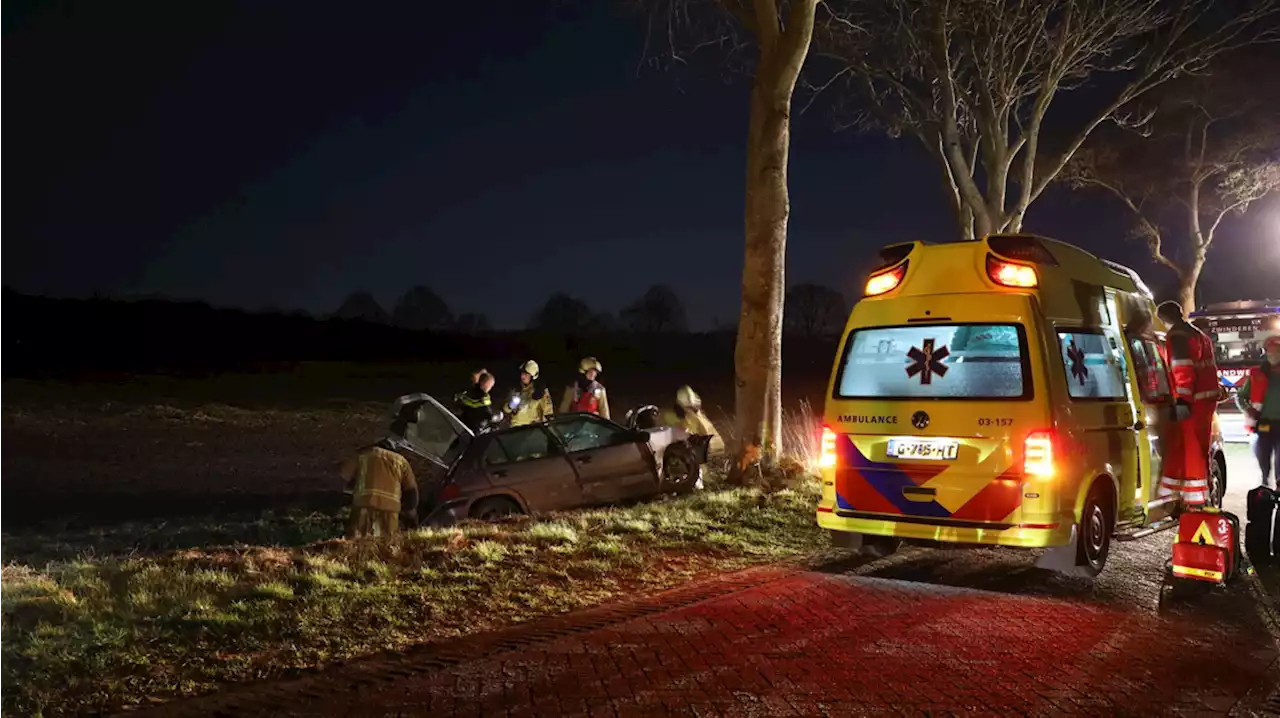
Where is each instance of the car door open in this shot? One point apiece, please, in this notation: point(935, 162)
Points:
point(425, 427)
point(611, 464)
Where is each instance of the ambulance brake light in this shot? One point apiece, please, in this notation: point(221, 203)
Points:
point(1010, 274)
point(1037, 454)
point(885, 281)
point(827, 452)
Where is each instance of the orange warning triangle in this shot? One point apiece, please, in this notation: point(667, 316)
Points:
point(1203, 535)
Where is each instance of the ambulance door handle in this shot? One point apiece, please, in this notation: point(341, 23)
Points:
point(1139, 425)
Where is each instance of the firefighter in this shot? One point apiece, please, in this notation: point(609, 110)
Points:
point(475, 408)
point(1196, 391)
point(475, 379)
point(586, 394)
point(530, 402)
point(687, 414)
point(1258, 396)
point(382, 489)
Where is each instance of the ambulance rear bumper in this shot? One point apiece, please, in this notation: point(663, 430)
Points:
point(1023, 535)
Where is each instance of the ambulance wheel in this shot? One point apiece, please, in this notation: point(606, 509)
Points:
point(1217, 484)
point(1096, 523)
point(880, 546)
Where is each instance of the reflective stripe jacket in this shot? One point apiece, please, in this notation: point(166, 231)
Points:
point(1252, 394)
point(534, 405)
point(696, 422)
point(573, 393)
point(378, 477)
point(475, 409)
point(1195, 373)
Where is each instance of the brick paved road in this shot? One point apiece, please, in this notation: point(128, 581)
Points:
point(919, 633)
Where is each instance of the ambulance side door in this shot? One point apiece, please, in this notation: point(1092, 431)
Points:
point(1151, 380)
point(1097, 377)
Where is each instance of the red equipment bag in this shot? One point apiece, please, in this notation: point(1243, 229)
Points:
point(1208, 546)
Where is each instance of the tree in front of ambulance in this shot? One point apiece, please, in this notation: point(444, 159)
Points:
point(1210, 149)
point(979, 82)
point(772, 38)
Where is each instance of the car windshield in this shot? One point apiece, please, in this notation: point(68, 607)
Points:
point(582, 432)
point(940, 361)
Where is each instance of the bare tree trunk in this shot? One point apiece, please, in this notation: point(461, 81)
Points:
point(758, 354)
point(1187, 280)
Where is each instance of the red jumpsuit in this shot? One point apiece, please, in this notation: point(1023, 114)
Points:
point(1195, 385)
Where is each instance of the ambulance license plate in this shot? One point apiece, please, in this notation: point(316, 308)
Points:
point(928, 449)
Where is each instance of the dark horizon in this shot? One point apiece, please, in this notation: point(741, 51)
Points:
point(288, 155)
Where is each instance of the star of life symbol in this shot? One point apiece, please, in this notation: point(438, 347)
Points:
point(1078, 369)
point(927, 361)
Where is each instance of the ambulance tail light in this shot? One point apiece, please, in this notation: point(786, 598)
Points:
point(1037, 454)
point(886, 281)
point(827, 449)
point(1009, 274)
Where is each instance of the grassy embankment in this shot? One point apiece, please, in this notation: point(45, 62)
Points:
point(92, 632)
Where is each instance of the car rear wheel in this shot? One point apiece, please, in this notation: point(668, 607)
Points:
point(1093, 544)
point(494, 508)
point(681, 472)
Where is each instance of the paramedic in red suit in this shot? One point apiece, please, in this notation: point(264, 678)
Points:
point(1195, 388)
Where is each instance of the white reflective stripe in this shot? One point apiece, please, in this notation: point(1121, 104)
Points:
point(1181, 362)
point(1170, 484)
point(379, 492)
point(1205, 394)
point(1194, 499)
point(1257, 405)
point(1182, 390)
point(1193, 484)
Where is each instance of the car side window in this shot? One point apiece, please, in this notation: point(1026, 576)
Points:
point(585, 432)
point(522, 444)
point(495, 454)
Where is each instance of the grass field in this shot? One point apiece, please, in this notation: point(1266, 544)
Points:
point(163, 534)
point(102, 631)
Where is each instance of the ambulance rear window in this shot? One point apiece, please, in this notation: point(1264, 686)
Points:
point(939, 361)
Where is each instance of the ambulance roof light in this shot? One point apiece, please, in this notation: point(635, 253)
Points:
point(892, 254)
point(886, 281)
point(1009, 274)
point(1021, 247)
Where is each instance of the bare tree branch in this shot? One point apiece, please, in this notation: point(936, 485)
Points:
point(992, 70)
point(1210, 151)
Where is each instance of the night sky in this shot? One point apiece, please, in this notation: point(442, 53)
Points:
point(285, 154)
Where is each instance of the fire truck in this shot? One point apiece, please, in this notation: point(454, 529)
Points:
point(1238, 330)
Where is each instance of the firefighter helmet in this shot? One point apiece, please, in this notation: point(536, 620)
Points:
point(687, 398)
point(589, 363)
point(531, 368)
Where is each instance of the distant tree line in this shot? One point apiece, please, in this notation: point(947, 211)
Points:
point(812, 310)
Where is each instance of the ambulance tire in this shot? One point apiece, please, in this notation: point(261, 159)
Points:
point(880, 546)
point(1097, 522)
point(1217, 482)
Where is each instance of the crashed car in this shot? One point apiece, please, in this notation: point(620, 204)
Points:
point(566, 462)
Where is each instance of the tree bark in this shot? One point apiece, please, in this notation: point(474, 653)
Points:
point(758, 354)
point(1188, 277)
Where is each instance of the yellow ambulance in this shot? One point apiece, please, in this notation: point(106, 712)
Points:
point(1008, 391)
